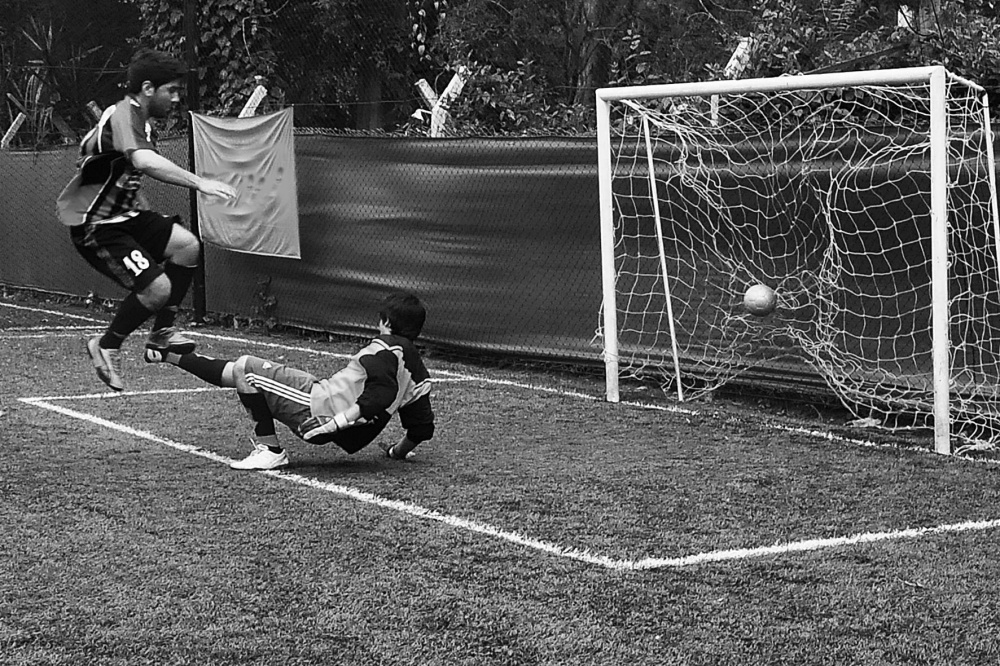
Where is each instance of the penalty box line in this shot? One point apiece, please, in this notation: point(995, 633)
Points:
point(465, 377)
point(336, 489)
point(672, 409)
point(585, 556)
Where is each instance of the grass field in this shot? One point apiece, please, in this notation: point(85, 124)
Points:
point(541, 525)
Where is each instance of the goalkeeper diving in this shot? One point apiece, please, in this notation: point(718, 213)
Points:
point(349, 409)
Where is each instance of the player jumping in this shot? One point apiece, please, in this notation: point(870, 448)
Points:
point(349, 409)
point(151, 255)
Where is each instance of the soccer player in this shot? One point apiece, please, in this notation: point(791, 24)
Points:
point(350, 409)
point(149, 254)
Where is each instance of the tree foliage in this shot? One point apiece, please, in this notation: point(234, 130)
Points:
point(339, 61)
point(532, 65)
point(55, 57)
point(800, 36)
point(233, 47)
point(537, 63)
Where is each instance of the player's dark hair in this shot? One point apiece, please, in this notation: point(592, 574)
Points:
point(156, 67)
point(404, 313)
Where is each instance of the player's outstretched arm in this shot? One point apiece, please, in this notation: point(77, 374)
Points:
point(159, 167)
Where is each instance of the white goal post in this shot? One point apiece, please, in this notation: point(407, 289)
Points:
point(867, 200)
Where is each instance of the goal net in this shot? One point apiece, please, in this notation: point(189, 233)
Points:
point(866, 200)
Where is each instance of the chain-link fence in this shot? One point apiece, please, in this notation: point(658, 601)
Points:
point(418, 166)
point(498, 235)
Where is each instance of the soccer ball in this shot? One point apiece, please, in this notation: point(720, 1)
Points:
point(760, 300)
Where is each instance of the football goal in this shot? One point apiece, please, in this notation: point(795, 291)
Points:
point(867, 201)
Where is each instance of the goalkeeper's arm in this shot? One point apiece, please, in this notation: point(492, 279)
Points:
point(401, 450)
point(418, 420)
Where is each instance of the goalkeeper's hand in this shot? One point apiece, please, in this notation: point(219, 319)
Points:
point(401, 450)
point(315, 428)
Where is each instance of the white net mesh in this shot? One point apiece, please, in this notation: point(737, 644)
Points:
point(825, 196)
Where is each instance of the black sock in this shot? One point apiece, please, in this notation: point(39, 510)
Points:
point(165, 317)
point(256, 406)
point(130, 316)
point(180, 281)
point(203, 367)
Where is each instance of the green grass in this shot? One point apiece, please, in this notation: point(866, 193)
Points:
point(122, 550)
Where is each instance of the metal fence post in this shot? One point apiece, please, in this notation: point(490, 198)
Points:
point(193, 102)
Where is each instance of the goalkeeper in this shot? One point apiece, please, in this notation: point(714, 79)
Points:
point(350, 409)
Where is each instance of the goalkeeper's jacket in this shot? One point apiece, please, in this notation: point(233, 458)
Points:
point(386, 377)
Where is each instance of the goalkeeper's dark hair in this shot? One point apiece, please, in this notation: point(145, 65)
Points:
point(156, 67)
point(404, 313)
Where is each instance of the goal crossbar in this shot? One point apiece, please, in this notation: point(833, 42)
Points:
point(778, 83)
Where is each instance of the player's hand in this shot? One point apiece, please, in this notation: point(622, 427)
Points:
point(216, 188)
point(316, 426)
point(401, 450)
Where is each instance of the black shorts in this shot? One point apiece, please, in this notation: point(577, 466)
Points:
point(129, 252)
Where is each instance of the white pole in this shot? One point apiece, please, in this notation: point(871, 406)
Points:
point(939, 261)
point(991, 177)
point(8, 136)
point(610, 308)
point(439, 112)
point(428, 94)
point(256, 98)
point(663, 258)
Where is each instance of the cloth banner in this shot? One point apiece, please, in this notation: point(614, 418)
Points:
point(256, 156)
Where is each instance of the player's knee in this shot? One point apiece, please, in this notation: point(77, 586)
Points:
point(184, 247)
point(155, 295)
point(240, 375)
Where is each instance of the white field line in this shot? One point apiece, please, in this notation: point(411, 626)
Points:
point(114, 395)
point(811, 545)
point(513, 537)
point(457, 522)
point(345, 491)
point(52, 312)
point(520, 539)
point(455, 376)
point(51, 331)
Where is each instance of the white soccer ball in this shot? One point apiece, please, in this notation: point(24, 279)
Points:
point(760, 300)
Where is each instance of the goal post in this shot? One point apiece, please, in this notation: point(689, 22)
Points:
point(866, 200)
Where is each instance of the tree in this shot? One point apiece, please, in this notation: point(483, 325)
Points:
point(344, 63)
point(56, 56)
point(234, 45)
point(537, 63)
point(795, 37)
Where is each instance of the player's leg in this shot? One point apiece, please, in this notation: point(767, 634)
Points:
point(178, 250)
point(111, 249)
point(218, 372)
point(271, 392)
point(267, 453)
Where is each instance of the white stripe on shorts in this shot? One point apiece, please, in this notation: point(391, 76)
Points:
point(277, 388)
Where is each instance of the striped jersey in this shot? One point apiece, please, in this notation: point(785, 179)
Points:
point(386, 377)
point(105, 187)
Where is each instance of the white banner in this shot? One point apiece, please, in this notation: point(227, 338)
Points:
point(256, 156)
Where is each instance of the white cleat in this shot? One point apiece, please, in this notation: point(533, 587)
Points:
point(261, 458)
point(165, 340)
point(107, 362)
